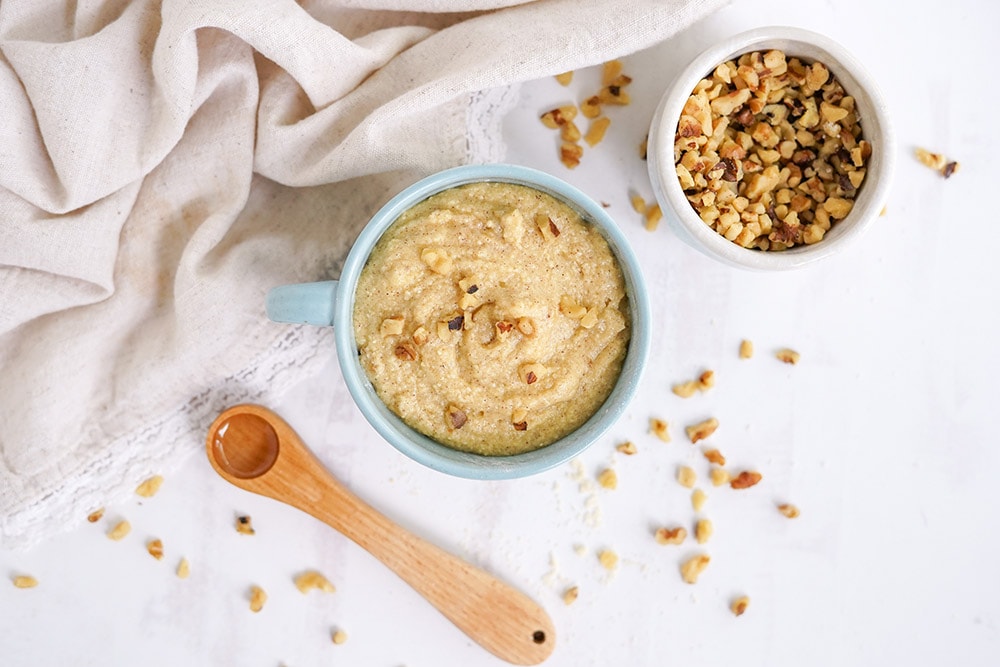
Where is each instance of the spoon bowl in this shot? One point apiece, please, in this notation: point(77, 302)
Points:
point(253, 448)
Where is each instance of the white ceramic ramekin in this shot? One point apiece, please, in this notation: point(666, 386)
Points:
point(875, 125)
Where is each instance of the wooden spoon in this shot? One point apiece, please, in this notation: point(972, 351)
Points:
point(255, 449)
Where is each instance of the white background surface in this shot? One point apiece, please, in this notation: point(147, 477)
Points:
point(885, 435)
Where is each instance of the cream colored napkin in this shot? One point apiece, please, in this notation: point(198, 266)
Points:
point(164, 163)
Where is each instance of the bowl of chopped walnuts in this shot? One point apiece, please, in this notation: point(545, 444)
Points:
point(772, 149)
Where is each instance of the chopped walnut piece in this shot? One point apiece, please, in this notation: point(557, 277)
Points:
point(703, 530)
point(638, 203)
point(526, 326)
point(719, 476)
point(589, 319)
point(627, 448)
point(437, 260)
point(706, 380)
point(565, 78)
point(591, 107)
point(653, 217)
point(702, 430)
point(24, 581)
point(456, 323)
point(746, 349)
point(149, 488)
point(693, 567)
point(608, 558)
point(670, 535)
point(787, 356)
point(570, 132)
point(610, 71)
point(520, 426)
point(420, 335)
point(444, 332)
point(558, 117)
point(120, 530)
point(455, 416)
point(739, 605)
point(392, 326)
point(935, 161)
point(531, 373)
point(715, 456)
point(698, 498)
point(155, 548)
point(311, 579)
point(608, 479)
point(338, 637)
point(598, 128)
point(658, 427)
point(257, 598)
point(685, 389)
point(745, 480)
point(405, 351)
point(791, 511)
point(183, 569)
point(686, 476)
point(96, 515)
point(570, 308)
point(244, 525)
point(571, 594)
point(570, 154)
point(950, 169)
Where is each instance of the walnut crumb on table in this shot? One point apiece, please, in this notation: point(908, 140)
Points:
point(244, 526)
point(338, 637)
point(746, 349)
point(715, 456)
point(571, 594)
point(311, 579)
point(702, 430)
point(96, 515)
point(788, 356)
point(155, 548)
point(698, 498)
point(719, 476)
point(183, 569)
point(670, 535)
point(739, 605)
point(149, 488)
point(257, 598)
point(658, 427)
point(686, 476)
point(608, 559)
point(703, 530)
point(692, 568)
point(608, 479)
point(120, 530)
point(24, 581)
point(745, 479)
point(790, 511)
point(627, 448)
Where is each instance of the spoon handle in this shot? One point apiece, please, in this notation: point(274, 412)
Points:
point(498, 617)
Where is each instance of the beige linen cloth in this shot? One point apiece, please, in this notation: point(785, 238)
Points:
point(163, 163)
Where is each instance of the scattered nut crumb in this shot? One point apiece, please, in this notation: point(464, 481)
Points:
point(96, 515)
point(24, 581)
point(257, 598)
point(558, 117)
point(746, 349)
point(610, 71)
point(244, 525)
point(638, 203)
point(787, 356)
point(739, 605)
point(703, 530)
point(531, 373)
point(437, 260)
point(685, 389)
point(706, 380)
point(598, 128)
point(627, 448)
point(693, 567)
point(686, 476)
point(392, 326)
point(155, 548)
point(670, 535)
point(715, 456)
point(658, 427)
point(702, 430)
point(570, 154)
point(526, 326)
point(608, 558)
point(149, 488)
point(935, 161)
point(565, 78)
point(183, 568)
point(950, 169)
point(698, 498)
point(339, 637)
point(608, 479)
point(456, 417)
point(719, 476)
point(745, 480)
point(653, 217)
point(120, 530)
point(791, 511)
point(311, 579)
point(571, 594)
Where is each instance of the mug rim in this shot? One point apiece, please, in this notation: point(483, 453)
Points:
point(429, 452)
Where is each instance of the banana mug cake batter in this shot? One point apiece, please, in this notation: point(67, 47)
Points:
point(492, 318)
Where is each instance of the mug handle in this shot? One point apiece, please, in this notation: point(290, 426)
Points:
point(304, 303)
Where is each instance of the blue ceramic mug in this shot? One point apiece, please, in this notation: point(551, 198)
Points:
point(331, 303)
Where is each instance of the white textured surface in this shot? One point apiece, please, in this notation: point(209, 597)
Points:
point(884, 435)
